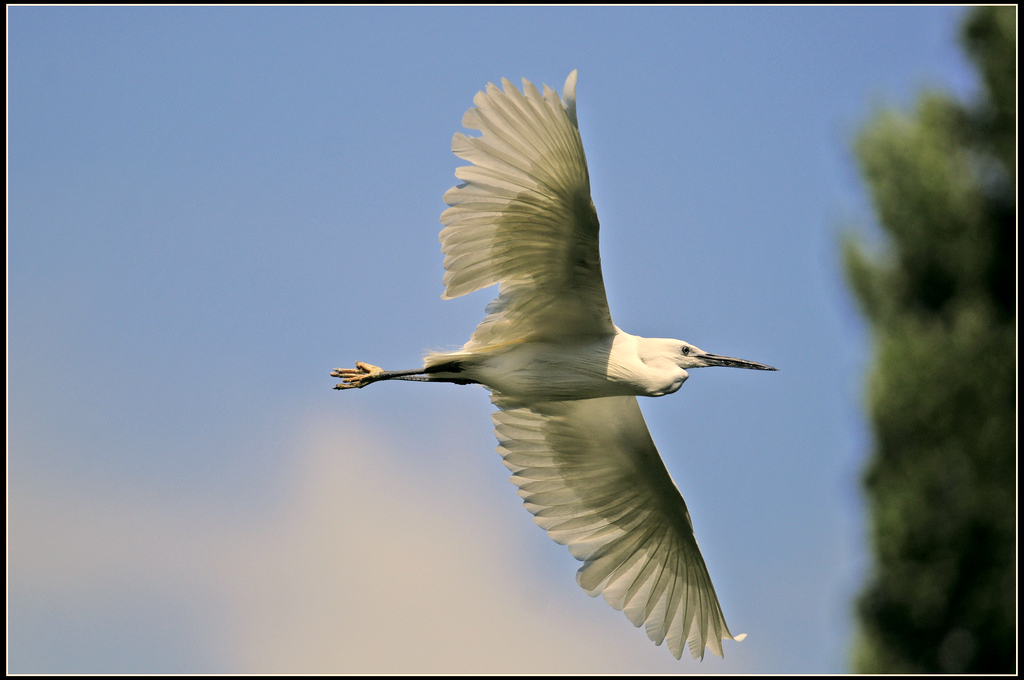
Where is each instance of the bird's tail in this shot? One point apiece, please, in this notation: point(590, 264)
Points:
point(436, 359)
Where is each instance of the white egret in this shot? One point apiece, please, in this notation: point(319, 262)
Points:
point(564, 378)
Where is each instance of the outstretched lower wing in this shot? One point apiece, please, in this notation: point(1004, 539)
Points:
point(589, 472)
point(523, 218)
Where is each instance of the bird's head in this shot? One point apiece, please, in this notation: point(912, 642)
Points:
point(689, 356)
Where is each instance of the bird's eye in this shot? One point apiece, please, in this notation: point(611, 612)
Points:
point(686, 351)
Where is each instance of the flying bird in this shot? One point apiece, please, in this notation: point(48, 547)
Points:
point(564, 378)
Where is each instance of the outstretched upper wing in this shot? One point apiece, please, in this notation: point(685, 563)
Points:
point(523, 218)
point(589, 472)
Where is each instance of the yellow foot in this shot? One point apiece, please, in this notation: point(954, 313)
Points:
point(360, 376)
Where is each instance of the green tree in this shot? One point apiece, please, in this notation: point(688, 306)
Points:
point(941, 302)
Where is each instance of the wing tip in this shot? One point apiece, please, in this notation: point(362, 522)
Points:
point(569, 97)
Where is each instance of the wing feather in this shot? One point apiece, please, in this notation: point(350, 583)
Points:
point(523, 218)
point(591, 475)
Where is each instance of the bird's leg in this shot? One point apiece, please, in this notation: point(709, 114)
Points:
point(365, 374)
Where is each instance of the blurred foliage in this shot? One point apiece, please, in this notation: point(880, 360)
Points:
point(941, 301)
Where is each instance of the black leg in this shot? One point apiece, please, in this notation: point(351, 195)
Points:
point(365, 374)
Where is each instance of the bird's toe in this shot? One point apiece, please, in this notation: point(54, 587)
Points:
point(360, 376)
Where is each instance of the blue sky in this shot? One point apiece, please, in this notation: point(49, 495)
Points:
point(211, 208)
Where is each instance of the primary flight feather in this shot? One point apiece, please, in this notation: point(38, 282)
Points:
point(564, 378)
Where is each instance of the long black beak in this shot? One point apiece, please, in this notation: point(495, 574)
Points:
point(718, 360)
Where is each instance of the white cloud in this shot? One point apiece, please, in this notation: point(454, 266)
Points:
point(363, 566)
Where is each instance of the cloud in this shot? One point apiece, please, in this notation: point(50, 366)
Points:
point(361, 565)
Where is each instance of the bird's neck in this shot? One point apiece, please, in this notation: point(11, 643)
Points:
point(648, 363)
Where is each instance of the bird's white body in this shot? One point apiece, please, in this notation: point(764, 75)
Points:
point(572, 368)
point(564, 378)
